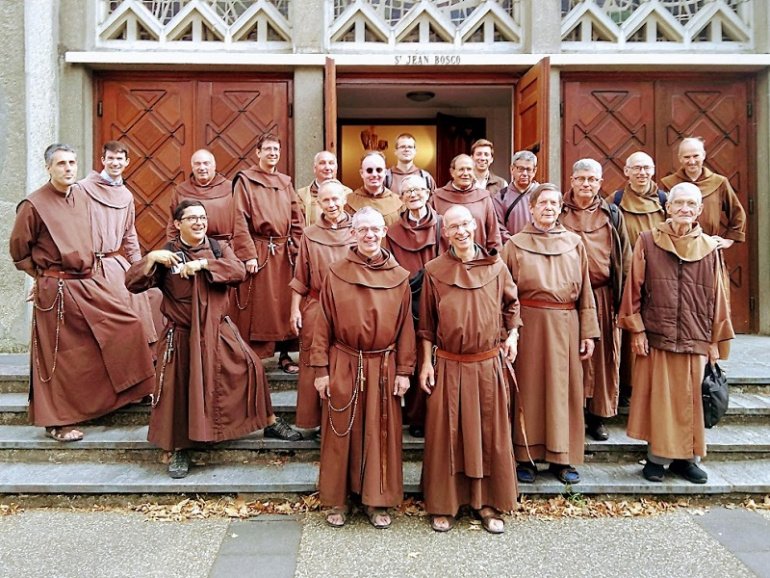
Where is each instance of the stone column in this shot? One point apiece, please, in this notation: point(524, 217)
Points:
point(29, 113)
point(308, 21)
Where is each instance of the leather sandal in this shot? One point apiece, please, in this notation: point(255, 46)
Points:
point(341, 512)
point(287, 365)
point(487, 515)
point(439, 528)
point(374, 513)
point(65, 433)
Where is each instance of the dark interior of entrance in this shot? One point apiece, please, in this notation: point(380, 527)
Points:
point(453, 115)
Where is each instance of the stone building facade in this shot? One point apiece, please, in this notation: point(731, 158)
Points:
point(563, 78)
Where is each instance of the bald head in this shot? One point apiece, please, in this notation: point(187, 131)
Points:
point(331, 199)
point(457, 213)
point(204, 166)
point(639, 171)
point(692, 154)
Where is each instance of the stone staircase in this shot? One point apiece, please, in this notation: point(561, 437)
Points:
point(115, 456)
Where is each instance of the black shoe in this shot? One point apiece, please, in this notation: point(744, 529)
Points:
point(316, 437)
point(416, 431)
point(179, 464)
point(281, 430)
point(597, 429)
point(624, 401)
point(689, 471)
point(653, 472)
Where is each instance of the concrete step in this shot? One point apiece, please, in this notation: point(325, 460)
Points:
point(744, 407)
point(727, 441)
point(726, 477)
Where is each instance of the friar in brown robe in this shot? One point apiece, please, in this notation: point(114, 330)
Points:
point(550, 268)
point(89, 355)
point(324, 169)
point(603, 232)
point(267, 230)
point(461, 190)
point(323, 243)
point(113, 230)
point(643, 206)
point(723, 215)
point(674, 334)
point(468, 453)
point(212, 189)
point(363, 352)
point(414, 240)
point(373, 193)
point(210, 386)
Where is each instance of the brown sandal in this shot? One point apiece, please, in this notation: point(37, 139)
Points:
point(341, 512)
point(65, 433)
point(436, 528)
point(374, 513)
point(487, 515)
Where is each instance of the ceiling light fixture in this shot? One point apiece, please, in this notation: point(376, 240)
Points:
point(420, 95)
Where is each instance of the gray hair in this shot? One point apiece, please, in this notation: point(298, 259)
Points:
point(56, 147)
point(418, 180)
point(682, 188)
point(364, 212)
point(533, 198)
point(332, 183)
point(587, 165)
point(317, 156)
point(526, 156)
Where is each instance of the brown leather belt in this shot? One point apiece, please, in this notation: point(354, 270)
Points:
point(537, 304)
point(56, 274)
point(468, 357)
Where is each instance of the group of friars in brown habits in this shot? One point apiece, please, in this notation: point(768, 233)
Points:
point(398, 289)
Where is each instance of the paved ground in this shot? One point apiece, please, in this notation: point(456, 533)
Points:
point(62, 544)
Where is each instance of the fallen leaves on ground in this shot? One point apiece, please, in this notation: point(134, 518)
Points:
point(578, 506)
point(10, 509)
point(752, 504)
point(237, 508)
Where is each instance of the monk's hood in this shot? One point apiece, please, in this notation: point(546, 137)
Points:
point(105, 193)
point(378, 273)
point(557, 241)
point(692, 246)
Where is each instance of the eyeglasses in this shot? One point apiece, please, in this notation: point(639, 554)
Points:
point(412, 191)
point(467, 225)
point(405, 147)
point(378, 170)
point(365, 230)
point(195, 219)
point(524, 169)
point(640, 168)
point(589, 180)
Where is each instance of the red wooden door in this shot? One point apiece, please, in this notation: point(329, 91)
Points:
point(165, 118)
point(531, 115)
point(717, 112)
point(607, 120)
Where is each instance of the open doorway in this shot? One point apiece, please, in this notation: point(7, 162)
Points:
point(444, 118)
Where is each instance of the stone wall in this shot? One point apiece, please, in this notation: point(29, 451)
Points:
point(14, 319)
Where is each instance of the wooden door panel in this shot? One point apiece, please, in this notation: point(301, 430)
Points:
point(607, 121)
point(154, 119)
point(330, 106)
point(233, 115)
point(717, 112)
point(164, 119)
point(454, 136)
point(531, 115)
